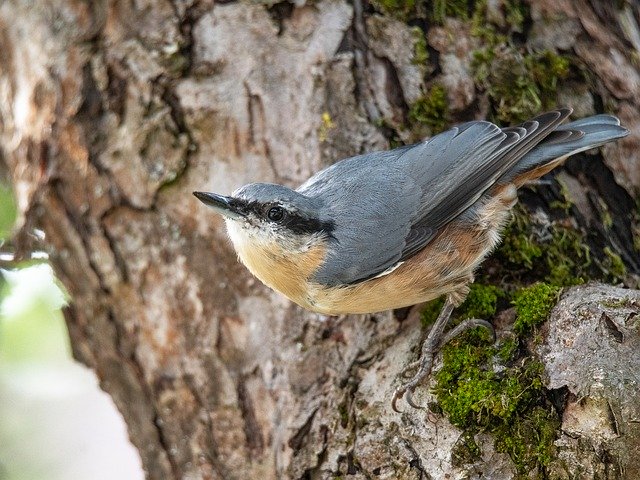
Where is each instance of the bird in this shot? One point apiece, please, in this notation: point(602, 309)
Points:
point(396, 228)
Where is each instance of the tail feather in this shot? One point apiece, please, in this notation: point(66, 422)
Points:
point(565, 140)
point(600, 119)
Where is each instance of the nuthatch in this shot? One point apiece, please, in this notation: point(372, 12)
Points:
point(395, 228)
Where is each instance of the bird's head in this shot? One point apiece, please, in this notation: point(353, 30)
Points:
point(264, 215)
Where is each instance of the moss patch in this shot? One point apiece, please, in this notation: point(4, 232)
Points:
point(420, 51)
point(435, 11)
point(533, 305)
point(431, 109)
point(400, 9)
point(519, 84)
point(510, 402)
point(441, 9)
point(550, 251)
point(516, 12)
point(554, 253)
point(613, 264)
point(507, 349)
point(465, 450)
point(567, 257)
point(532, 446)
point(496, 388)
point(519, 246)
point(481, 302)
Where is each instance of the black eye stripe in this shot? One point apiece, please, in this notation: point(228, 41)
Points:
point(293, 221)
point(303, 225)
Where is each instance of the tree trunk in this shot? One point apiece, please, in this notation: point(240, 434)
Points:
point(113, 112)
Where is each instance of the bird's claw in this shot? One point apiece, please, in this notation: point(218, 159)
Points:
point(434, 341)
point(410, 401)
point(409, 387)
point(399, 393)
point(467, 325)
point(405, 391)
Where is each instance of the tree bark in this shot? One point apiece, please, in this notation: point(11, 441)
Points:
point(113, 112)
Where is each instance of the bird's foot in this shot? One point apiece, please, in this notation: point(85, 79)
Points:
point(432, 344)
point(406, 390)
point(468, 324)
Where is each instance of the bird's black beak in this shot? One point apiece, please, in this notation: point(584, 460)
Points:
point(226, 206)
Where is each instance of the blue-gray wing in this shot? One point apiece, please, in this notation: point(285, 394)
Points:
point(388, 205)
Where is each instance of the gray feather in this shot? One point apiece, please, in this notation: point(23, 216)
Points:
point(582, 135)
point(400, 199)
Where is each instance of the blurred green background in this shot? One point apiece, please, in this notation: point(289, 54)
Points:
point(55, 422)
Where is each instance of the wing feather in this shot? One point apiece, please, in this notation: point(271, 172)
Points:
point(388, 205)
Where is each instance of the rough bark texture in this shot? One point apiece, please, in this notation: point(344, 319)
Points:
point(602, 415)
point(111, 113)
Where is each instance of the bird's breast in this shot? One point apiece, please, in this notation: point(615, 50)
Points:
point(283, 269)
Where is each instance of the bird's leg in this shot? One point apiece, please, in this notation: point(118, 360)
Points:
point(435, 340)
point(429, 347)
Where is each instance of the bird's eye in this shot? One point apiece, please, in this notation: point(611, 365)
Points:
point(275, 214)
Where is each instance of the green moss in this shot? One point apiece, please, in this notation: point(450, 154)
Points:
point(518, 84)
point(566, 203)
point(481, 301)
point(605, 215)
point(420, 51)
point(435, 11)
point(481, 64)
point(463, 383)
point(449, 8)
point(555, 253)
point(343, 411)
point(431, 109)
point(515, 14)
point(551, 252)
point(510, 405)
point(495, 388)
point(547, 68)
point(518, 245)
point(465, 450)
point(532, 444)
point(401, 9)
point(614, 264)
point(533, 305)
point(507, 349)
point(567, 257)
